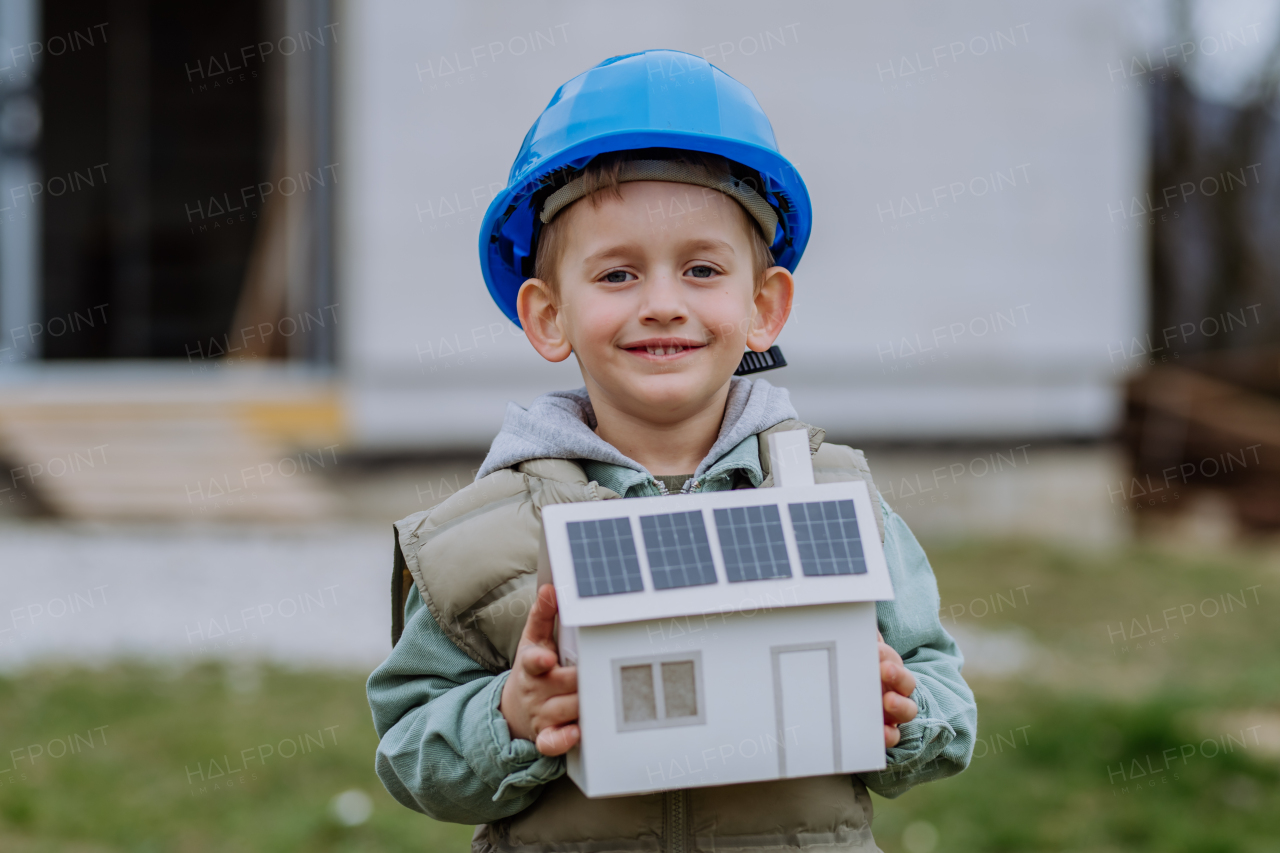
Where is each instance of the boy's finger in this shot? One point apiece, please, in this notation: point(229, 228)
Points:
point(891, 736)
point(888, 653)
point(537, 660)
point(899, 708)
point(540, 625)
point(897, 677)
point(558, 710)
point(563, 679)
point(558, 740)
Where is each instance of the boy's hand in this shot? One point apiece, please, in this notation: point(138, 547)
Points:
point(540, 699)
point(897, 684)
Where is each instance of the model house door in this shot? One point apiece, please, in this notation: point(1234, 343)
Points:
point(806, 702)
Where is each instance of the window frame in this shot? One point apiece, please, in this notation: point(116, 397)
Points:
point(659, 698)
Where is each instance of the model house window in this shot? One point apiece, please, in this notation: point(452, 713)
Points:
point(657, 692)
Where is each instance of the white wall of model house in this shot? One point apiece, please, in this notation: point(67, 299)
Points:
point(785, 693)
point(964, 278)
point(693, 672)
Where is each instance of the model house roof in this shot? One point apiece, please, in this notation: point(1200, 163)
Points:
point(743, 550)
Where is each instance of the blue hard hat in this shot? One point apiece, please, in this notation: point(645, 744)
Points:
point(653, 99)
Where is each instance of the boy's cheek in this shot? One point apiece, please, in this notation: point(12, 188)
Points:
point(593, 329)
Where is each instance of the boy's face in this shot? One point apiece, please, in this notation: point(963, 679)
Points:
point(656, 298)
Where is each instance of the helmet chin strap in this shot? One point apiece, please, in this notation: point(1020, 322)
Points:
point(758, 362)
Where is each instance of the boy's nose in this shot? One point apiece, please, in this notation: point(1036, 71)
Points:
point(663, 300)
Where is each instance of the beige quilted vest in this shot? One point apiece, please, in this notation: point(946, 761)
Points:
point(483, 609)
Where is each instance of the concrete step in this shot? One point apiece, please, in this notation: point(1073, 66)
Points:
point(116, 445)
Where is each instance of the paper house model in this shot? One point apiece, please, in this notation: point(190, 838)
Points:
point(722, 637)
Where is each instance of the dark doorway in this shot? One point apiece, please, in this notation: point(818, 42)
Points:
point(154, 125)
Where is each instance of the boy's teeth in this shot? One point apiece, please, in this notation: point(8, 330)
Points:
point(671, 350)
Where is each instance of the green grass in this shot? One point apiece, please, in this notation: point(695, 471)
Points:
point(1051, 789)
point(142, 789)
point(1047, 772)
point(1039, 781)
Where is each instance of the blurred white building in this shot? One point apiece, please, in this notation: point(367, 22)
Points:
point(967, 272)
point(974, 270)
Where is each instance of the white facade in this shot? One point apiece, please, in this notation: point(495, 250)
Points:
point(785, 692)
point(965, 277)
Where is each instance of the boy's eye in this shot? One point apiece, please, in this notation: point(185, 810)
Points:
point(616, 276)
point(701, 271)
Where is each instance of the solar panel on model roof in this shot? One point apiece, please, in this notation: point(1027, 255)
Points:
point(827, 538)
point(678, 551)
point(753, 547)
point(752, 543)
point(604, 557)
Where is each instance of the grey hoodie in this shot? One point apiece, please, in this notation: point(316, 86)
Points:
point(561, 425)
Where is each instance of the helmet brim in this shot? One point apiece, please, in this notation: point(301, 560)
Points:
point(508, 229)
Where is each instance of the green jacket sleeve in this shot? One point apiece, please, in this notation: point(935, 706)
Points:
point(939, 742)
point(445, 749)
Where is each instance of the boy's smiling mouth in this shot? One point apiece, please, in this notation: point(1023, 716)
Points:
point(663, 349)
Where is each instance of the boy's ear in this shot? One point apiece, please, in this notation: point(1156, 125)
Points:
point(773, 306)
point(539, 317)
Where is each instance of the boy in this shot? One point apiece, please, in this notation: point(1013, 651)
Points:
point(650, 229)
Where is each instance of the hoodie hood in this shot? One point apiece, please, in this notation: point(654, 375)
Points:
point(560, 425)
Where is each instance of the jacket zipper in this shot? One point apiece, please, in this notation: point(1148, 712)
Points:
point(676, 807)
point(662, 489)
